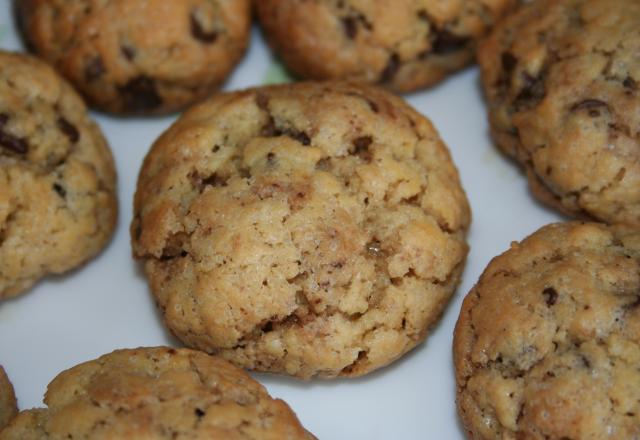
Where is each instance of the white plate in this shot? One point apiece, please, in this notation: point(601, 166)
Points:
point(106, 305)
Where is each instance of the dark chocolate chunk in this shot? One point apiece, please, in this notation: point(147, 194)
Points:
point(199, 32)
point(550, 296)
point(13, 143)
point(60, 190)
point(94, 68)
point(140, 94)
point(128, 52)
point(199, 413)
point(68, 129)
point(390, 70)
point(446, 43)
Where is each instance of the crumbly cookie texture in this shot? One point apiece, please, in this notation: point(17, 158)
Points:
point(562, 80)
point(314, 229)
point(157, 393)
point(547, 345)
point(402, 44)
point(139, 56)
point(8, 404)
point(57, 179)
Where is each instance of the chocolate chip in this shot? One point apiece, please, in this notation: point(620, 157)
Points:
point(199, 32)
point(60, 190)
point(128, 52)
point(271, 158)
point(140, 94)
point(390, 70)
point(633, 305)
point(509, 62)
point(361, 145)
point(69, 129)
point(630, 83)
point(13, 143)
point(592, 105)
point(446, 43)
point(324, 164)
point(94, 68)
point(589, 104)
point(215, 180)
point(262, 101)
point(550, 296)
point(299, 136)
point(350, 25)
point(199, 413)
point(374, 248)
point(532, 91)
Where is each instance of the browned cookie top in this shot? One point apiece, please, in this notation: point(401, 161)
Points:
point(562, 80)
point(308, 229)
point(157, 393)
point(547, 346)
point(57, 178)
point(8, 404)
point(403, 44)
point(139, 56)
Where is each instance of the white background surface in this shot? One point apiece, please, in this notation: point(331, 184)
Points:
point(106, 304)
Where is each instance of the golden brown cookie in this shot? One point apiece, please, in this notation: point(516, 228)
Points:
point(8, 404)
point(157, 393)
point(308, 229)
point(139, 56)
point(562, 81)
point(57, 179)
point(402, 44)
point(547, 346)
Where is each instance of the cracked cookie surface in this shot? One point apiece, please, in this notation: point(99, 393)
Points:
point(562, 81)
point(57, 180)
point(313, 229)
point(547, 345)
point(139, 56)
point(402, 44)
point(8, 404)
point(157, 393)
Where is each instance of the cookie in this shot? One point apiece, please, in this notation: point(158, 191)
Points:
point(157, 393)
point(547, 345)
point(313, 229)
point(57, 180)
point(562, 81)
point(139, 56)
point(8, 404)
point(402, 44)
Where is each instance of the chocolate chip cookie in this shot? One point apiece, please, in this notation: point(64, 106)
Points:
point(8, 404)
point(57, 179)
point(139, 56)
point(562, 81)
point(402, 44)
point(547, 345)
point(157, 393)
point(313, 229)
